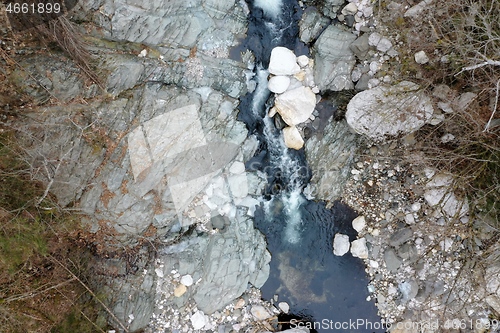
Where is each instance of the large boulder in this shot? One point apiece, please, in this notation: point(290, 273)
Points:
point(334, 59)
point(296, 106)
point(389, 111)
point(283, 62)
point(292, 138)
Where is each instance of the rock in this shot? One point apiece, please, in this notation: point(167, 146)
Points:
point(418, 9)
point(421, 58)
point(330, 158)
point(378, 41)
point(409, 290)
point(292, 138)
point(360, 47)
point(283, 62)
point(439, 193)
point(462, 102)
point(198, 320)
point(303, 60)
point(284, 307)
point(391, 259)
point(340, 244)
point(492, 280)
point(187, 280)
point(278, 84)
point(180, 290)
point(400, 237)
point(259, 312)
point(359, 249)
point(311, 24)
point(296, 106)
point(350, 9)
point(238, 185)
point(237, 168)
point(389, 111)
point(334, 59)
point(359, 223)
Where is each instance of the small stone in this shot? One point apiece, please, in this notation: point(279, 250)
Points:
point(340, 244)
point(421, 58)
point(187, 280)
point(359, 249)
point(392, 261)
point(284, 307)
point(198, 320)
point(303, 60)
point(260, 313)
point(159, 272)
point(416, 206)
point(239, 304)
point(180, 290)
point(350, 9)
point(359, 223)
point(143, 53)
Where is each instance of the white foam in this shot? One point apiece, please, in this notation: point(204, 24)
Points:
point(270, 7)
point(292, 202)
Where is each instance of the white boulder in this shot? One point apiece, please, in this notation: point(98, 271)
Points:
point(359, 249)
point(340, 244)
point(278, 84)
point(283, 62)
point(296, 106)
point(389, 111)
point(359, 223)
point(198, 320)
point(421, 58)
point(292, 138)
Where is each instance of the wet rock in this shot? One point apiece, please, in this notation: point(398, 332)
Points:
point(359, 249)
point(340, 244)
point(334, 59)
point(389, 111)
point(311, 24)
point(296, 106)
point(283, 62)
point(292, 138)
point(392, 260)
point(330, 158)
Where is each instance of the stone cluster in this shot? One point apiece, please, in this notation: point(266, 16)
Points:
point(293, 81)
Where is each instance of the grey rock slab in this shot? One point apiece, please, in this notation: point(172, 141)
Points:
point(330, 158)
point(400, 237)
point(311, 24)
point(334, 59)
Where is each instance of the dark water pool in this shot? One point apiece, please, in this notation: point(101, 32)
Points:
point(329, 291)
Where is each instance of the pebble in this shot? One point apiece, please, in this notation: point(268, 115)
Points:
point(284, 307)
point(180, 290)
point(187, 280)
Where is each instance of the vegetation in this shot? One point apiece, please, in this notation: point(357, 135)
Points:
point(42, 267)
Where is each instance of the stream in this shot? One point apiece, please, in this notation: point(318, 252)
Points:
point(327, 292)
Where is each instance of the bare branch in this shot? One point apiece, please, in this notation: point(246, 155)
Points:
point(487, 62)
point(487, 127)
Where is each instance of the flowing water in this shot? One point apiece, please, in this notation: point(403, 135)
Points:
point(327, 290)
